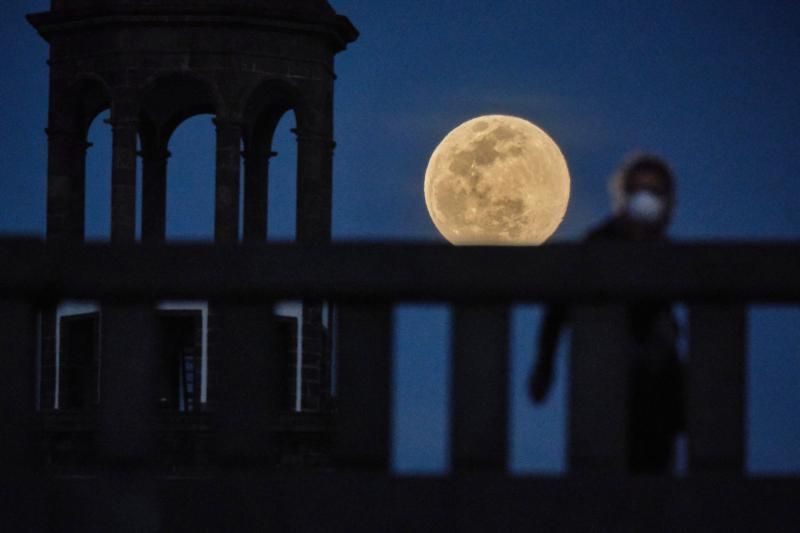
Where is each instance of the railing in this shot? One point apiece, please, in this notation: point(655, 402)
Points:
point(716, 281)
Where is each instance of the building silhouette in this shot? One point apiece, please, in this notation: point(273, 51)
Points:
point(154, 64)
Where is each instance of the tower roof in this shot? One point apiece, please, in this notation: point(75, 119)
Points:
point(316, 12)
point(289, 6)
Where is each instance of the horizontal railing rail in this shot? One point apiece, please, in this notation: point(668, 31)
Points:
point(598, 272)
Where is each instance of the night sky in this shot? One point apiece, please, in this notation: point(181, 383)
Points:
point(711, 86)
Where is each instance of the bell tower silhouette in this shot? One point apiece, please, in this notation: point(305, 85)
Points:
point(156, 63)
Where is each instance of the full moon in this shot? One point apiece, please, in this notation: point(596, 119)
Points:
point(497, 180)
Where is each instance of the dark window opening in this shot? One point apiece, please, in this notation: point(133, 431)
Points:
point(181, 360)
point(79, 361)
point(286, 344)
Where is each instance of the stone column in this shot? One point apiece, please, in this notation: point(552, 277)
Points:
point(226, 203)
point(154, 193)
point(256, 192)
point(77, 219)
point(65, 184)
point(123, 172)
point(314, 186)
point(314, 205)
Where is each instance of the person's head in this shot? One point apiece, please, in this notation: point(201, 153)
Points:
point(643, 192)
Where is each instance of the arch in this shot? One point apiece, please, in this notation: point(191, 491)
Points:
point(97, 179)
point(88, 96)
point(267, 105)
point(79, 104)
point(189, 184)
point(282, 183)
point(168, 99)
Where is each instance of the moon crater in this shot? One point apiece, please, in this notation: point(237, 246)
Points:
point(497, 180)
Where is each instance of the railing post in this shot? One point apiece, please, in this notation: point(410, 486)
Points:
point(598, 391)
point(716, 388)
point(128, 384)
point(16, 385)
point(23, 505)
point(364, 348)
point(247, 375)
point(479, 439)
point(126, 437)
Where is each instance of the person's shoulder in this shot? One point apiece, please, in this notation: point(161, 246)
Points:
point(606, 230)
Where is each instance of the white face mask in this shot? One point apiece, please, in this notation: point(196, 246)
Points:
point(645, 206)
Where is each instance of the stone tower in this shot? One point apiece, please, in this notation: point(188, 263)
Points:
point(156, 63)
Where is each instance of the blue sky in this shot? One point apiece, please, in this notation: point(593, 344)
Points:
point(711, 86)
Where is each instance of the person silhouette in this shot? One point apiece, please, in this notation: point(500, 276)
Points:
point(643, 192)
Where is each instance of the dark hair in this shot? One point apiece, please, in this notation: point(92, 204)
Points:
point(636, 164)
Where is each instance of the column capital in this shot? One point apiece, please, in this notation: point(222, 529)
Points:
point(225, 122)
point(268, 155)
point(61, 132)
point(155, 153)
point(71, 136)
point(123, 123)
point(309, 136)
